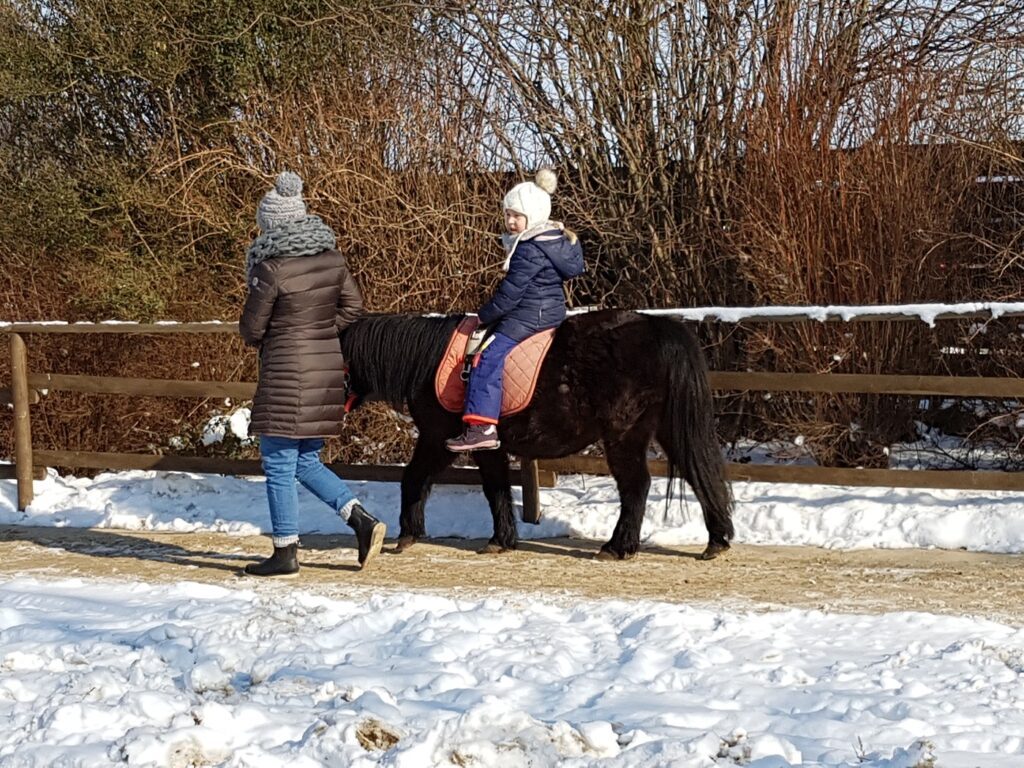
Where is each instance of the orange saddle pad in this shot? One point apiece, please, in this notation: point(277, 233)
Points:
point(522, 366)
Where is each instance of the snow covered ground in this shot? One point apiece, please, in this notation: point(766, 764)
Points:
point(96, 673)
point(584, 507)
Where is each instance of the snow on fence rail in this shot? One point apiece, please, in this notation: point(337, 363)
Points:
point(926, 313)
point(25, 388)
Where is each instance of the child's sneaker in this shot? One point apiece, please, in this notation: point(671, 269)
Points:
point(477, 437)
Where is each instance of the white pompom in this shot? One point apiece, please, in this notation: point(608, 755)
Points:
point(288, 184)
point(546, 180)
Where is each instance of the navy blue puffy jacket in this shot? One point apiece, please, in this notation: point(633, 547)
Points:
point(530, 297)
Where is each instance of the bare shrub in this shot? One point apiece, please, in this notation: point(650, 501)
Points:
point(715, 152)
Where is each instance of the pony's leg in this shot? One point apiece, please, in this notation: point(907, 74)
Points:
point(627, 460)
point(699, 463)
point(494, 472)
point(428, 459)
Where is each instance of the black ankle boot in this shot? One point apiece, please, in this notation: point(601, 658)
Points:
point(369, 534)
point(284, 562)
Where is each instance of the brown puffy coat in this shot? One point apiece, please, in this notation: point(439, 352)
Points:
point(295, 308)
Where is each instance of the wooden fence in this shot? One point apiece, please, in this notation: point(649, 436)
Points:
point(26, 386)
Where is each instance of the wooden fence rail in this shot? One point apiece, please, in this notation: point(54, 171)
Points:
point(26, 387)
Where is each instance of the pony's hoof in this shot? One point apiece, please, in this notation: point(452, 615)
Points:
point(713, 550)
point(490, 548)
point(403, 543)
point(607, 556)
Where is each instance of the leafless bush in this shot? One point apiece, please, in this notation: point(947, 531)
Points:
point(710, 152)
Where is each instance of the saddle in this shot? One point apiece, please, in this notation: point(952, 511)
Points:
point(522, 367)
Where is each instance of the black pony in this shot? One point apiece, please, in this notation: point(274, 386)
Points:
point(619, 377)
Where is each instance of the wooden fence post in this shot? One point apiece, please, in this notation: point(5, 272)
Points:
point(22, 425)
point(531, 491)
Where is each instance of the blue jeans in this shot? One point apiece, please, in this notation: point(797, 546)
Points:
point(483, 398)
point(286, 460)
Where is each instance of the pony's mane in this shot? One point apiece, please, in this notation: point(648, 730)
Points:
point(392, 357)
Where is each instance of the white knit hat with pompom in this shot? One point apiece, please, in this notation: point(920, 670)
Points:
point(283, 203)
point(533, 198)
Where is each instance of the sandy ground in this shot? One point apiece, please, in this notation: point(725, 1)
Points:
point(748, 577)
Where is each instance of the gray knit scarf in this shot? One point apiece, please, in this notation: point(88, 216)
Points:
point(307, 236)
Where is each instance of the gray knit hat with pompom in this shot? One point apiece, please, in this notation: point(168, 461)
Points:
point(283, 203)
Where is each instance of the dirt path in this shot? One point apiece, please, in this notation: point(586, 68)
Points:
point(870, 581)
point(749, 576)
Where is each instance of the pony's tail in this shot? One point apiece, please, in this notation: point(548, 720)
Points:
point(687, 431)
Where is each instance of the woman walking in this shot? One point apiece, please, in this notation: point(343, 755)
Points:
point(300, 295)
